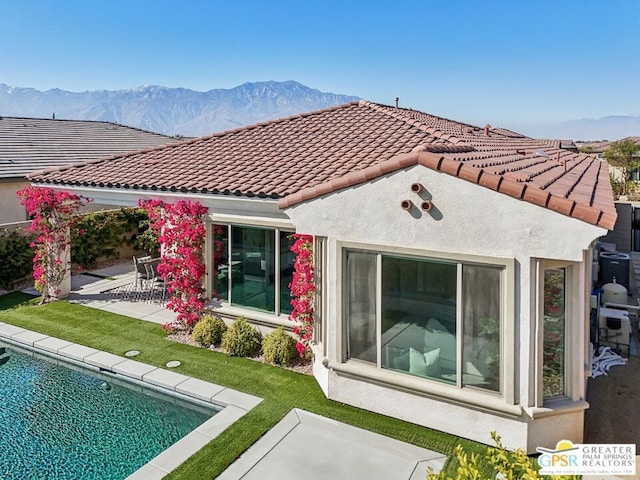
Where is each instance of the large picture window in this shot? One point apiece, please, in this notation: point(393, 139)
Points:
point(254, 267)
point(428, 318)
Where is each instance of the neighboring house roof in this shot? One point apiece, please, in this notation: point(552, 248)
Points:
point(30, 144)
point(304, 156)
point(601, 147)
point(563, 144)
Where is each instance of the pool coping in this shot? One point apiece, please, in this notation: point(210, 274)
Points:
point(232, 403)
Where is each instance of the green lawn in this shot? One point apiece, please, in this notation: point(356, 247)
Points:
point(281, 389)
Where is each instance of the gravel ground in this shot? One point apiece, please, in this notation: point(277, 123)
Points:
point(299, 365)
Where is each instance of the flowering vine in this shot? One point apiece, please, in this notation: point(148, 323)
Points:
point(181, 232)
point(53, 216)
point(302, 289)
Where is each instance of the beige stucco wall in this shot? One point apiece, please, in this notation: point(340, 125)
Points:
point(10, 208)
point(466, 219)
point(471, 220)
point(12, 211)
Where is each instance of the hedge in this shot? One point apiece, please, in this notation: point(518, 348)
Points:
point(103, 235)
point(17, 257)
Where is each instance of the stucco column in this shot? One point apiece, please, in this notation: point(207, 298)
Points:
point(65, 284)
point(59, 265)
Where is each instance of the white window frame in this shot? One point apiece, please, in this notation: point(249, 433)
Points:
point(571, 333)
point(278, 226)
point(320, 297)
point(503, 401)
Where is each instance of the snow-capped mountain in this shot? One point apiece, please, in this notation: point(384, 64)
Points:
point(171, 111)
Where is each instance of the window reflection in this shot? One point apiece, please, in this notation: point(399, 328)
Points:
point(419, 328)
point(553, 366)
point(246, 273)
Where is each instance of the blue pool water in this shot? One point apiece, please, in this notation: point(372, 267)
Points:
point(66, 423)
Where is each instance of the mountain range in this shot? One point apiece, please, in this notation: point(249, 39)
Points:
point(610, 127)
point(180, 111)
point(171, 111)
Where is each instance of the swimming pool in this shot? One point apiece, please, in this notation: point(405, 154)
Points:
point(66, 422)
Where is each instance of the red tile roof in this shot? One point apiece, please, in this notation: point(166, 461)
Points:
point(304, 156)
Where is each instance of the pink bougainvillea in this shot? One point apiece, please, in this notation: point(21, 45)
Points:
point(181, 232)
point(302, 289)
point(53, 215)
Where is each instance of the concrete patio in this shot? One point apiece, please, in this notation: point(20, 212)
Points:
point(113, 289)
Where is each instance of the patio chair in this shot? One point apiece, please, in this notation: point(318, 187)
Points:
point(142, 276)
point(155, 279)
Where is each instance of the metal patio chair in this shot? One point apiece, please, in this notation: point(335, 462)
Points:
point(156, 282)
point(142, 277)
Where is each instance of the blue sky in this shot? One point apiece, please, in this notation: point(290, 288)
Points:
point(509, 63)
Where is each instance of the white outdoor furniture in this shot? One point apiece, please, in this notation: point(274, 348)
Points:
point(615, 329)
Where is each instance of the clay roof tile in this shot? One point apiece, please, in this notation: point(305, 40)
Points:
point(305, 156)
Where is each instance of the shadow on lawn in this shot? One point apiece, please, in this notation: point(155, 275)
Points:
point(14, 299)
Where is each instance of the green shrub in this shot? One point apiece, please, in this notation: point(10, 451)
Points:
point(507, 463)
point(279, 347)
point(146, 239)
point(17, 257)
point(241, 339)
point(209, 330)
point(100, 235)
